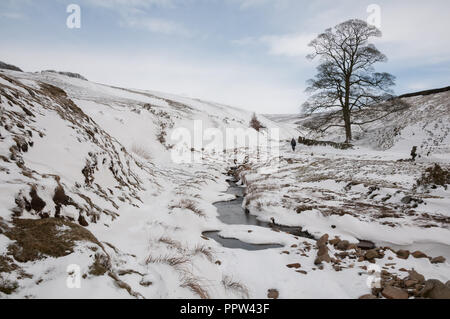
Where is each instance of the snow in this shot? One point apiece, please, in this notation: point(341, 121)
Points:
point(156, 246)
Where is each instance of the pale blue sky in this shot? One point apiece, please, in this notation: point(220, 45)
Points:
point(246, 53)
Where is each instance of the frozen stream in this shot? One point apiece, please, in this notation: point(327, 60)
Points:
point(232, 213)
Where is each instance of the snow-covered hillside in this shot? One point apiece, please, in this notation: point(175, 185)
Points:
point(93, 204)
point(99, 157)
point(425, 123)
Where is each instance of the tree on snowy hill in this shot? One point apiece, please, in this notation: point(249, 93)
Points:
point(346, 79)
point(255, 123)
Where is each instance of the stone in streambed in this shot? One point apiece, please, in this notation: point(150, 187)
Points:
point(343, 245)
point(403, 254)
point(435, 289)
point(394, 293)
point(273, 294)
point(368, 296)
point(371, 254)
point(438, 260)
point(419, 254)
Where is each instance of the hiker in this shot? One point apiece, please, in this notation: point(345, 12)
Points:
point(293, 144)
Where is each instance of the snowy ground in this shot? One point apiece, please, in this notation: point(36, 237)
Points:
point(89, 179)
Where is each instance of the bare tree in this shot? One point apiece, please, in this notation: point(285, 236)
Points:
point(346, 79)
point(255, 123)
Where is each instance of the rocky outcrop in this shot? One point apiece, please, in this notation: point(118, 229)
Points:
point(6, 66)
point(69, 74)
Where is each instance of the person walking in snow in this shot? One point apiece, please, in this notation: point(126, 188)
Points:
point(293, 144)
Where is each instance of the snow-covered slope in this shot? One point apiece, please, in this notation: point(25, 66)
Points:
point(86, 170)
point(425, 124)
point(91, 198)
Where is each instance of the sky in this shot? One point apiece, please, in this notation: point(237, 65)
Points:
point(245, 53)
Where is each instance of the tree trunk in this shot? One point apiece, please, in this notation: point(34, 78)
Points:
point(348, 126)
point(346, 111)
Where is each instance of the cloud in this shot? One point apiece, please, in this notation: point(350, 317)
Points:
point(12, 15)
point(13, 9)
point(137, 14)
point(290, 45)
point(124, 4)
point(155, 25)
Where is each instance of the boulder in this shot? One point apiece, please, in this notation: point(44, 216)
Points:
point(322, 256)
point(322, 240)
point(414, 275)
point(296, 266)
point(406, 199)
point(403, 254)
point(335, 241)
point(419, 254)
point(371, 254)
point(435, 289)
point(343, 245)
point(368, 296)
point(390, 292)
point(438, 260)
point(410, 283)
point(273, 294)
point(366, 245)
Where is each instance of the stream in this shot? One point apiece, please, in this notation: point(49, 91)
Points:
point(232, 213)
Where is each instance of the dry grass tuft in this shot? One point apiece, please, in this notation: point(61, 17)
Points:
point(230, 284)
point(189, 205)
point(170, 242)
point(168, 260)
point(203, 250)
point(193, 284)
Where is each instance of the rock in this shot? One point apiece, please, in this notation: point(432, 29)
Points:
point(394, 293)
point(414, 275)
point(82, 221)
point(448, 284)
point(371, 254)
point(335, 241)
point(435, 289)
point(322, 240)
point(273, 294)
point(406, 200)
point(419, 254)
point(322, 255)
point(403, 254)
point(37, 203)
point(9, 67)
point(296, 266)
point(366, 244)
point(343, 245)
point(302, 272)
point(410, 283)
point(368, 296)
point(438, 260)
